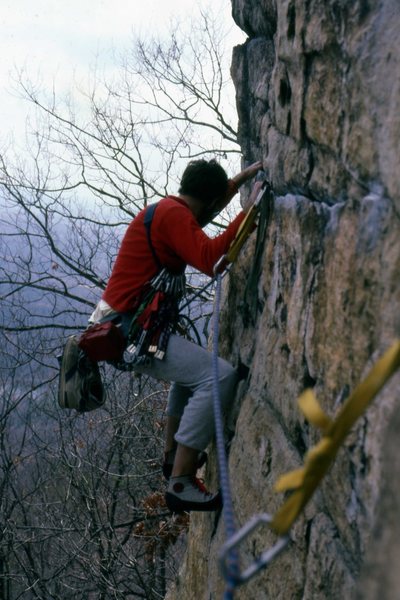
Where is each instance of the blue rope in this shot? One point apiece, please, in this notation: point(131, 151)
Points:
point(230, 529)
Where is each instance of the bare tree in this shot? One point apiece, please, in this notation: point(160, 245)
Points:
point(86, 177)
point(81, 513)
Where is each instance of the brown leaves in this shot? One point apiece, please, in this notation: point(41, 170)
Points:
point(161, 532)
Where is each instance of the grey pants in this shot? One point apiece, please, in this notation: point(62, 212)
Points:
point(189, 368)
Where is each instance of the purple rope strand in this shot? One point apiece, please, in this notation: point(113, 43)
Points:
point(230, 529)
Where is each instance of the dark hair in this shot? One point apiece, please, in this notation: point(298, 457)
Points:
point(204, 180)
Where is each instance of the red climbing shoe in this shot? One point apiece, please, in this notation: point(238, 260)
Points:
point(188, 493)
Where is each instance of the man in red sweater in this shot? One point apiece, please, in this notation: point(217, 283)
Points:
point(177, 239)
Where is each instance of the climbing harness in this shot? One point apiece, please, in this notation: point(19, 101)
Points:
point(156, 313)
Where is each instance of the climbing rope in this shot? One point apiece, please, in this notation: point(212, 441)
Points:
point(232, 560)
point(229, 557)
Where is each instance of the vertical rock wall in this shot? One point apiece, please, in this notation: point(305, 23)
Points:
point(318, 93)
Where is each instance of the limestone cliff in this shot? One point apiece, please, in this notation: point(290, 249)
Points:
point(318, 94)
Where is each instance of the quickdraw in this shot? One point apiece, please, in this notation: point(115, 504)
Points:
point(304, 481)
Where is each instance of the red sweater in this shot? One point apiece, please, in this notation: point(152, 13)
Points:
point(178, 240)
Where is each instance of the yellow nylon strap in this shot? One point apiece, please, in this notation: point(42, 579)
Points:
point(312, 411)
point(245, 228)
point(305, 480)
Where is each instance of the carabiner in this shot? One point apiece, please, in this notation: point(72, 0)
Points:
point(261, 561)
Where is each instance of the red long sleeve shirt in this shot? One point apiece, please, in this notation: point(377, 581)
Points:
point(178, 240)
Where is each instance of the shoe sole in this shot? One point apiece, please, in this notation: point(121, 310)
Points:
point(176, 505)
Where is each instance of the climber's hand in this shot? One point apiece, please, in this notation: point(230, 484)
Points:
point(247, 173)
point(253, 196)
point(252, 170)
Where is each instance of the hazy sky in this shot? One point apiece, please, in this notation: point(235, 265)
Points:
point(63, 39)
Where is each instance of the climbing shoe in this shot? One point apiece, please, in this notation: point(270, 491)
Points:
point(187, 493)
point(169, 458)
point(80, 385)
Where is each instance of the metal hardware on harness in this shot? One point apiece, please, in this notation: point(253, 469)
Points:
point(265, 557)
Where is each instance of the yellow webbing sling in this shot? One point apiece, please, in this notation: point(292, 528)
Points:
point(304, 481)
point(243, 232)
point(245, 229)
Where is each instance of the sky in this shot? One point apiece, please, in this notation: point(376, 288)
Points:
point(60, 41)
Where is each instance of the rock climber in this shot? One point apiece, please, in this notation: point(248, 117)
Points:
point(176, 239)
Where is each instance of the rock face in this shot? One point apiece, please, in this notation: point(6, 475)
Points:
point(318, 94)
